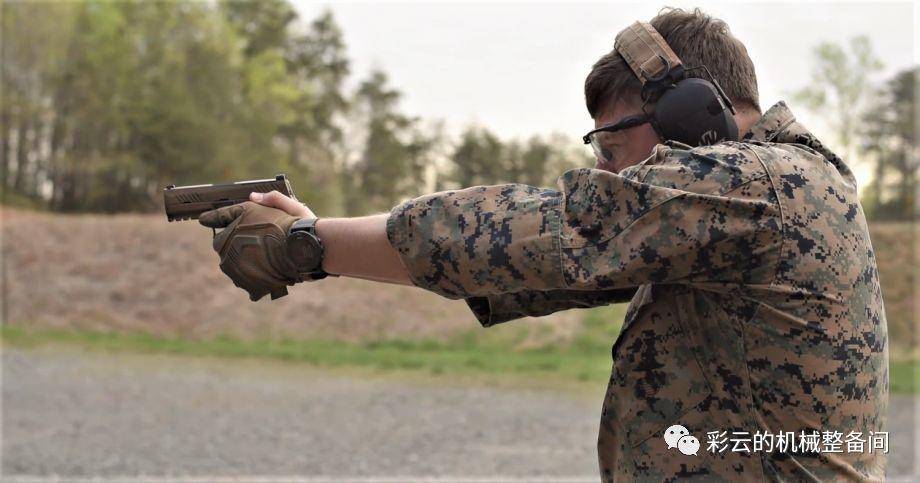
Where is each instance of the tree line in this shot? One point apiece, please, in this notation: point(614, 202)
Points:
point(873, 124)
point(104, 103)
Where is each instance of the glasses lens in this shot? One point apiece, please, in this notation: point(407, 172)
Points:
point(601, 143)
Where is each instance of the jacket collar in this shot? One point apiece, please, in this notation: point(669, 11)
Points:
point(778, 125)
point(772, 124)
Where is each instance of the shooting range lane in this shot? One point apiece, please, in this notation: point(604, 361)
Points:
point(76, 413)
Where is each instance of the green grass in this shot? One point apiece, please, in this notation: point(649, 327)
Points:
point(495, 351)
point(16, 200)
point(465, 355)
point(904, 376)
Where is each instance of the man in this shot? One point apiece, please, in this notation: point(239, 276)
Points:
point(755, 304)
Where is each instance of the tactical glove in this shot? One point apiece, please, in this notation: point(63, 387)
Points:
point(251, 247)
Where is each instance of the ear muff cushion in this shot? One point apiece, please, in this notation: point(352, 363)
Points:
point(693, 113)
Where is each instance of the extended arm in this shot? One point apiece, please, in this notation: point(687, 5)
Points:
point(354, 247)
point(358, 247)
point(598, 232)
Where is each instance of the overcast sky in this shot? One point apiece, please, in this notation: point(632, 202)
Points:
point(519, 68)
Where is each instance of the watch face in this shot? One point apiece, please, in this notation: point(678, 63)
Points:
point(304, 251)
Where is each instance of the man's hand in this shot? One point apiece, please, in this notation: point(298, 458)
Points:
point(353, 247)
point(251, 247)
point(284, 203)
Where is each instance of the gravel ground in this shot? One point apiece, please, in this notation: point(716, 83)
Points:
point(94, 414)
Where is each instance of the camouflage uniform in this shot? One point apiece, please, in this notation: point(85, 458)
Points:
point(756, 303)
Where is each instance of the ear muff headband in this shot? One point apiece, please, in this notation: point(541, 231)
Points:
point(646, 53)
point(692, 111)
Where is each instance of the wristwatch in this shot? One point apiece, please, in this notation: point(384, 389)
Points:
point(305, 250)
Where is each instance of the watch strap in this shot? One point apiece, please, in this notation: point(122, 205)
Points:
point(309, 225)
point(306, 224)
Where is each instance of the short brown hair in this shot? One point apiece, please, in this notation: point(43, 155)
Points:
point(697, 39)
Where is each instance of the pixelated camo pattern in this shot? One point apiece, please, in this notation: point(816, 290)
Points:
point(755, 298)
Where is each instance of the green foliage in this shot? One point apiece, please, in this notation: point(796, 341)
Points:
point(395, 153)
point(104, 103)
point(262, 24)
point(481, 158)
point(478, 159)
point(891, 141)
point(135, 96)
point(879, 124)
point(840, 83)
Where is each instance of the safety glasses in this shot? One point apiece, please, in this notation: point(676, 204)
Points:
point(601, 138)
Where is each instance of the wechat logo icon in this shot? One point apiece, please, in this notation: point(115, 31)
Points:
point(679, 437)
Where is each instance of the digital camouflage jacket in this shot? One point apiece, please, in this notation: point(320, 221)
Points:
point(755, 299)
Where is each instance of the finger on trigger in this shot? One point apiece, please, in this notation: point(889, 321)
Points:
point(229, 213)
point(220, 217)
point(209, 219)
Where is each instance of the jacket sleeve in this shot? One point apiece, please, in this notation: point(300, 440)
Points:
point(598, 231)
point(497, 308)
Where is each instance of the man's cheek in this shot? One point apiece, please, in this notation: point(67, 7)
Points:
point(605, 165)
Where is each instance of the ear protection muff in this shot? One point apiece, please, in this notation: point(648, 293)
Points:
point(692, 111)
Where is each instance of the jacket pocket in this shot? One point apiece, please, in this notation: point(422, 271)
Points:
point(656, 377)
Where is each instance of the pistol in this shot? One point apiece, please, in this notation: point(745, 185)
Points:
point(189, 202)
